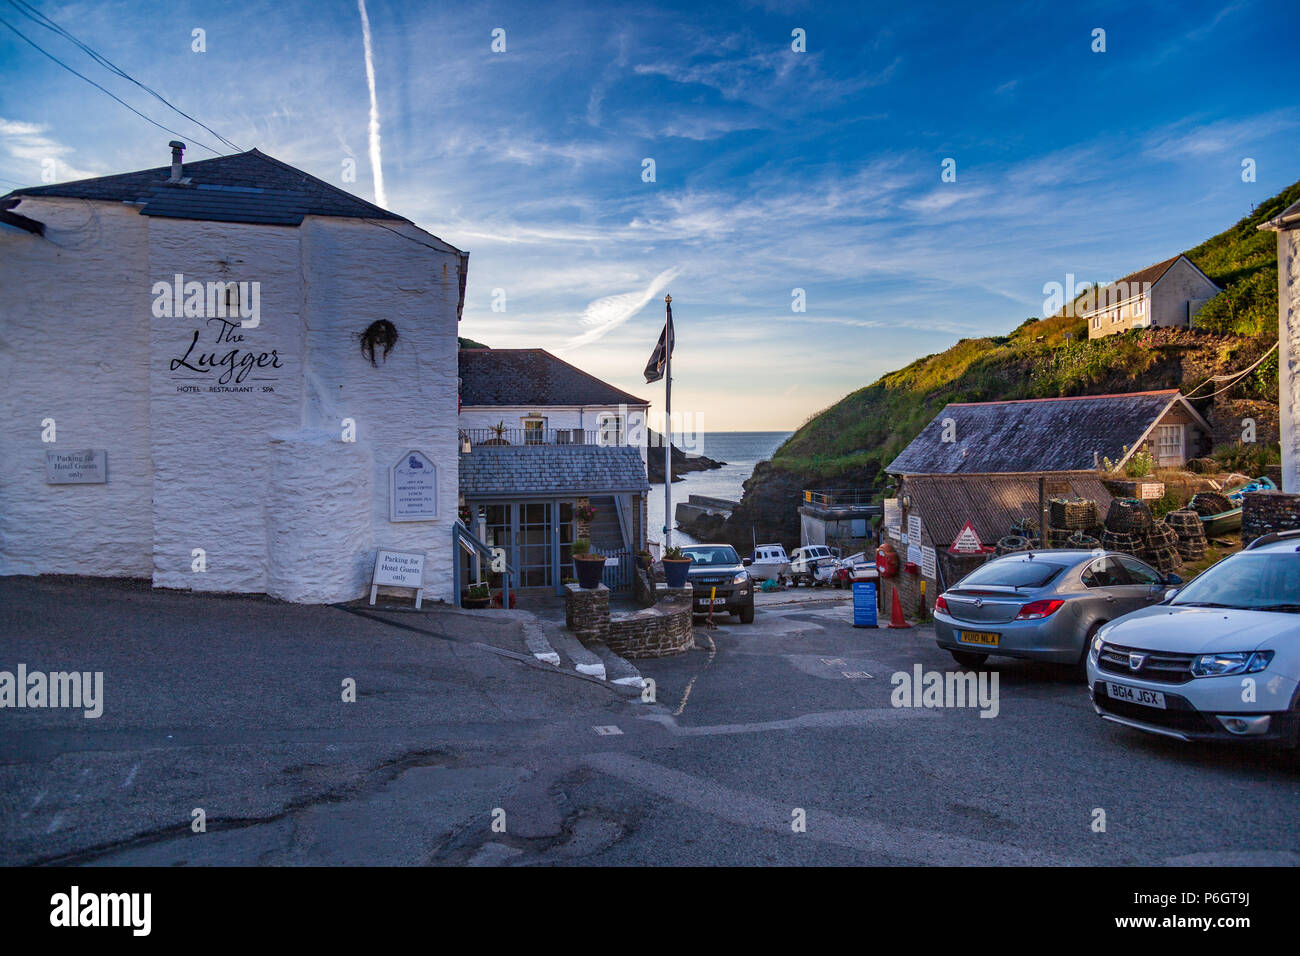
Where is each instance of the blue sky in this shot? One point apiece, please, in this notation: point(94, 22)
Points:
point(775, 170)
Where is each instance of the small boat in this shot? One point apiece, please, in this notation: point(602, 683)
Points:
point(1226, 521)
point(769, 563)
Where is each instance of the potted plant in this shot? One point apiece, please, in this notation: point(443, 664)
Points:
point(496, 599)
point(675, 567)
point(644, 559)
point(585, 513)
point(477, 596)
point(466, 515)
point(589, 567)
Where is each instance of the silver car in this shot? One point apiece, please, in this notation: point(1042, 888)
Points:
point(1043, 605)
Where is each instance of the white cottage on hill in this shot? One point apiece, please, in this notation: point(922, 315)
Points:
point(207, 371)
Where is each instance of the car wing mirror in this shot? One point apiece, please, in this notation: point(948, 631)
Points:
point(1173, 580)
point(747, 561)
point(1169, 595)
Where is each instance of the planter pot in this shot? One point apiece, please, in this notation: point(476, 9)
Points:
point(675, 571)
point(589, 571)
point(496, 599)
point(643, 561)
point(475, 604)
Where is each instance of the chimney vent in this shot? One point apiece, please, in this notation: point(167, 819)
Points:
point(178, 150)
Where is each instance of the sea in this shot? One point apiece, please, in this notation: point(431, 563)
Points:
point(740, 450)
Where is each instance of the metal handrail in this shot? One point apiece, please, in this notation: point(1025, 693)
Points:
point(461, 536)
point(540, 436)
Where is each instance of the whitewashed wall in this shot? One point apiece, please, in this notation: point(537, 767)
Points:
point(74, 347)
point(1179, 285)
point(260, 480)
point(360, 273)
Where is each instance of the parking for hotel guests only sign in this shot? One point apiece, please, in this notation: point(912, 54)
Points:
point(413, 488)
point(84, 466)
point(398, 569)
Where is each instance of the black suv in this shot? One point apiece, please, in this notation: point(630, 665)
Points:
point(717, 566)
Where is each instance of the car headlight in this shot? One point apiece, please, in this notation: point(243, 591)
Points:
point(1097, 645)
point(1237, 662)
point(740, 578)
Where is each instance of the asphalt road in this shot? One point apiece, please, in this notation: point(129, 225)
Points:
point(775, 743)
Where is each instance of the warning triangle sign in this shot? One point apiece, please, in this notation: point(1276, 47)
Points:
point(967, 541)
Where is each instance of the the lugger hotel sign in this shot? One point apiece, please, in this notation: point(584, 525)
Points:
point(215, 357)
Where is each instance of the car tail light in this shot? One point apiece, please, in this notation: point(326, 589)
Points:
point(1036, 610)
point(940, 604)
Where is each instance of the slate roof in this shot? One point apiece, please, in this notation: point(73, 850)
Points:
point(532, 378)
point(497, 471)
point(1036, 435)
point(991, 504)
point(243, 187)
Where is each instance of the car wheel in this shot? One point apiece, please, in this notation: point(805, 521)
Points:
point(747, 615)
point(969, 658)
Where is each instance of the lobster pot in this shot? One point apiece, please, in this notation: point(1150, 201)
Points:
point(1073, 514)
point(1012, 544)
point(1121, 541)
point(1160, 535)
point(1186, 524)
point(1207, 503)
point(1082, 542)
point(1163, 560)
point(1058, 537)
point(1191, 551)
point(1129, 516)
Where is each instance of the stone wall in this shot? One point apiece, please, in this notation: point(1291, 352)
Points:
point(1267, 511)
point(1227, 415)
point(657, 631)
point(586, 612)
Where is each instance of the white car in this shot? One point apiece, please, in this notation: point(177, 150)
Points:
point(1217, 660)
point(813, 564)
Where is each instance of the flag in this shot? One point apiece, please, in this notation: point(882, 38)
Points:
point(654, 369)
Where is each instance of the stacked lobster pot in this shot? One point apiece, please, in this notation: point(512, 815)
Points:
point(1160, 547)
point(1186, 523)
point(1207, 503)
point(1127, 523)
point(1075, 523)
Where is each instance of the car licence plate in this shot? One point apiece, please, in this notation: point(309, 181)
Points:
point(980, 637)
point(717, 602)
point(1135, 695)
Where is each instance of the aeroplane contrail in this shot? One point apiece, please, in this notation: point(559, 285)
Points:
point(376, 160)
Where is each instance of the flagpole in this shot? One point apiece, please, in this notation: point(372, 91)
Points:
point(668, 424)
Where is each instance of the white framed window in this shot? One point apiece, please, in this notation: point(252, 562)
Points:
point(612, 430)
point(1169, 443)
point(534, 431)
point(1140, 307)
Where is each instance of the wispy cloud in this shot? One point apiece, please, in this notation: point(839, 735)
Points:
point(606, 314)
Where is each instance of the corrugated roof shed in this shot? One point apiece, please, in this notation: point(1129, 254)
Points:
point(991, 503)
point(1037, 435)
point(244, 187)
point(533, 378)
point(496, 471)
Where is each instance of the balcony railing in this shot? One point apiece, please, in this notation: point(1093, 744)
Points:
point(839, 497)
point(539, 436)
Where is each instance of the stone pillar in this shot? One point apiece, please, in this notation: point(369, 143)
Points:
point(1267, 511)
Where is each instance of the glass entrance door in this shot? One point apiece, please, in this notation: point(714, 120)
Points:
point(525, 530)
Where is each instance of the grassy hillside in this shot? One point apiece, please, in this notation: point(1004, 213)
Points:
point(469, 344)
point(870, 426)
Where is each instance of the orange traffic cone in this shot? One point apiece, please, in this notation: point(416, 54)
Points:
point(896, 618)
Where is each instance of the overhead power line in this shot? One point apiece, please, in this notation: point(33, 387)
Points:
point(41, 19)
point(167, 129)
